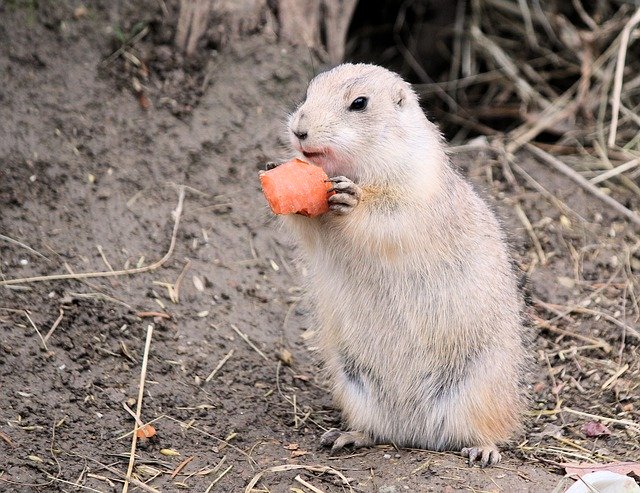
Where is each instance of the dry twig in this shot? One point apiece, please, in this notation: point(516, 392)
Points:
point(91, 275)
point(54, 326)
point(583, 182)
point(23, 245)
point(219, 366)
point(246, 339)
point(134, 436)
point(617, 83)
point(296, 467)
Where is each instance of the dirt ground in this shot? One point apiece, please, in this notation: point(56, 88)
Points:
point(89, 181)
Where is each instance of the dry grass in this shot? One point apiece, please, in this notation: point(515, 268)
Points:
point(553, 72)
point(558, 83)
point(111, 272)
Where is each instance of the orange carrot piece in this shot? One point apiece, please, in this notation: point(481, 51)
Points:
point(296, 187)
point(146, 431)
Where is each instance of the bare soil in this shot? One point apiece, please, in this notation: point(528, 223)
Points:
point(85, 169)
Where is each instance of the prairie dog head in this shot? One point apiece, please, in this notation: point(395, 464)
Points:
point(364, 122)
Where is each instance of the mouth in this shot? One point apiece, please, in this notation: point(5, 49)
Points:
point(326, 159)
point(314, 154)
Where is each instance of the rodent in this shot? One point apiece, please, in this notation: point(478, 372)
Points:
point(417, 303)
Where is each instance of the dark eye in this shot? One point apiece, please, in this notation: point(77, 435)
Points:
point(359, 104)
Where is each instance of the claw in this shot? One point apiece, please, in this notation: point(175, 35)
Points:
point(487, 455)
point(346, 197)
point(329, 437)
point(335, 179)
point(337, 439)
point(270, 165)
point(343, 198)
point(344, 184)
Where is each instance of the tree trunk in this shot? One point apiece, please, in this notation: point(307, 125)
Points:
point(192, 22)
point(321, 25)
point(337, 21)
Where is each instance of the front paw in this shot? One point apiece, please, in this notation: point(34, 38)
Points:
point(346, 197)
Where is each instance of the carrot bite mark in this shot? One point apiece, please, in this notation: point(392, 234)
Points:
point(296, 187)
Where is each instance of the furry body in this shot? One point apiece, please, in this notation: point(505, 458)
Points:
point(417, 305)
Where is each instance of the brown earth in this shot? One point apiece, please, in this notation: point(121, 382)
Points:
point(84, 169)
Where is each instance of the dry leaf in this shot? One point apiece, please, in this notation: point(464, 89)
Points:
point(144, 101)
point(581, 469)
point(566, 282)
point(146, 431)
point(594, 429)
point(285, 356)
point(539, 387)
point(298, 453)
point(198, 283)
point(548, 430)
point(292, 446)
point(604, 482)
point(169, 452)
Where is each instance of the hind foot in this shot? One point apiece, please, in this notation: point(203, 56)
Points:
point(485, 455)
point(338, 439)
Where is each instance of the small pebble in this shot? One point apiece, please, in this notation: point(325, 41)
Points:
point(80, 12)
point(23, 261)
point(397, 456)
point(387, 456)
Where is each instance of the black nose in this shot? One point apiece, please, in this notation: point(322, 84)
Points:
point(300, 135)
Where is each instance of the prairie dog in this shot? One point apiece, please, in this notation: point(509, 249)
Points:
point(418, 308)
